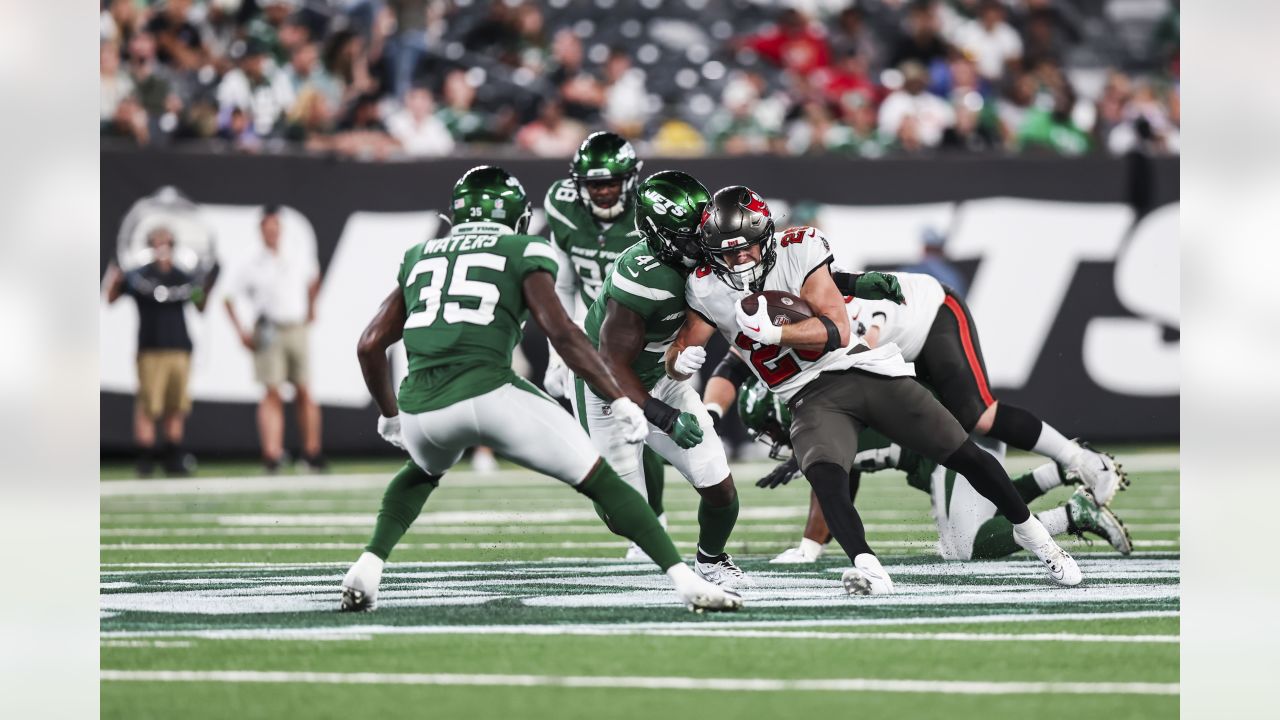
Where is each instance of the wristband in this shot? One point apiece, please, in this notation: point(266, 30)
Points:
point(846, 282)
point(662, 415)
point(833, 334)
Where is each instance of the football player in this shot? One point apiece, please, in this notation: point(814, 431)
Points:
point(459, 304)
point(591, 217)
point(636, 314)
point(968, 528)
point(834, 383)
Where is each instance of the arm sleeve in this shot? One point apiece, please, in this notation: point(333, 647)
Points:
point(733, 369)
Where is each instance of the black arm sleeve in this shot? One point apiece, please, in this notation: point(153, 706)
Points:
point(845, 281)
point(733, 369)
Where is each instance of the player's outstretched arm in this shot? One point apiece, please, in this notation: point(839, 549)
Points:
point(384, 330)
point(829, 327)
point(870, 286)
point(568, 339)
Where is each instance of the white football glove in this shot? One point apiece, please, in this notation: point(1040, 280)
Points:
point(558, 380)
point(631, 419)
point(759, 327)
point(389, 429)
point(690, 360)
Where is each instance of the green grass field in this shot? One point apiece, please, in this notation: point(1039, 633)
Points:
point(508, 599)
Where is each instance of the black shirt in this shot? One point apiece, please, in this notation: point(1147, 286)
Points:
point(161, 298)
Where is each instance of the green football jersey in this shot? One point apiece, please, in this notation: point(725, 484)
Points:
point(592, 248)
point(653, 290)
point(466, 308)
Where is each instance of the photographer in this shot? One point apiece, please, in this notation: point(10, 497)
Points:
point(161, 292)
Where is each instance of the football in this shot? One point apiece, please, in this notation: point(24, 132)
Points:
point(783, 307)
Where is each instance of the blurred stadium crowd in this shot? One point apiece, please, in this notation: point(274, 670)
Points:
point(386, 79)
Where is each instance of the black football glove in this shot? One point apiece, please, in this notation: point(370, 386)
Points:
point(781, 475)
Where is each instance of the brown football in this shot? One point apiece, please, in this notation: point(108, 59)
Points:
point(783, 306)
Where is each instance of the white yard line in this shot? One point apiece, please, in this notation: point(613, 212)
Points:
point(946, 687)
point(635, 628)
point(518, 545)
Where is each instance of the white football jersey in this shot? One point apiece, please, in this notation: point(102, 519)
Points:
point(906, 325)
point(800, 252)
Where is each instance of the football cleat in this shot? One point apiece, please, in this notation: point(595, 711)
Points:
point(1062, 568)
point(1084, 515)
point(720, 569)
point(634, 553)
point(701, 596)
point(796, 556)
point(1099, 472)
point(867, 577)
point(360, 585)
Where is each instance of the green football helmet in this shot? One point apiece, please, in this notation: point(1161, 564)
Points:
point(487, 193)
point(767, 418)
point(668, 207)
point(605, 156)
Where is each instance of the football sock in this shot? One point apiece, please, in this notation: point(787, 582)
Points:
point(830, 484)
point(811, 548)
point(627, 514)
point(654, 477)
point(1048, 476)
point(401, 503)
point(1056, 521)
point(988, 477)
point(715, 524)
point(994, 540)
point(1053, 445)
point(1027, 487)
point(1016, 426)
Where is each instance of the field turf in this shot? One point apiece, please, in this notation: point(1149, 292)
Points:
point(508, 599)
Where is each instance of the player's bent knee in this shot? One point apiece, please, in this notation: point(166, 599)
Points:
point(720, 494)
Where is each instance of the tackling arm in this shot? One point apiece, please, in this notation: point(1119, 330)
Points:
point(621, 340)
point(820, 292)
point(384, 330)
point(696, 331)
point(567, 338)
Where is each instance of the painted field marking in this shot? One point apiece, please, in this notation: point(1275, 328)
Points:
point(496, 545)
point(946, 687)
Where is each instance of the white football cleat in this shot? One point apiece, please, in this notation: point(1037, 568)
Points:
point(1032, 537)
point(635, 554)
point(722, 570)
point(699, 595)
point(1099, 472)
point(794, 556)
point(808, 552)
point(867, 577)
point(360, 585)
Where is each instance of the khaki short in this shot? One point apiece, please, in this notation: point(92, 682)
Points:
point(162, 382)
point(282, 354)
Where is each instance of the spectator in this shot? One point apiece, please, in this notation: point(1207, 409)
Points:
point(268, 27)
point(857, 133)
point(1147, 125)
point(419, 132)
point(255, 88)
point(180, 42)
point(280, 284)
point(114, 85)
point(161, 291)
point(362, 134)
point(922, 42)
point(551, 134)
point(853, 37)
point(626, 105)
point(935, 263)
point(793, 43)
point(305, 71)
point(1053, 128)
point(150, 80)
point(580, 92)
point(119, 21)
point(677, 138)
point(989, 40)
point(914, 117)
point(311, 120)
point(849, 74)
